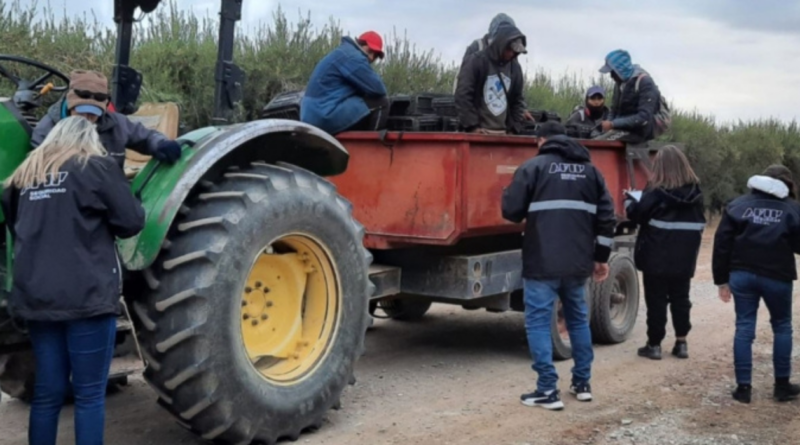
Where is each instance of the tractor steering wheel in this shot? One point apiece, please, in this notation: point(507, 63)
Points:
point(29, 92)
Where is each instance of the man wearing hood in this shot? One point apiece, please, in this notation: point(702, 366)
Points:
point(344, 92)
point(636, 101)
point(569, 229)
point(592, 112)
point(88, 97)
point(486, 104)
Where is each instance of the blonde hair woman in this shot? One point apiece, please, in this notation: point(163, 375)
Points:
point(671, 220)
point(64, 206)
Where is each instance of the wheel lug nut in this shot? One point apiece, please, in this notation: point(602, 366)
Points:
point(245, 316)
point(269, 304)
point(248, 289)
point(258, 284)
point(255, 322)
point(264, 317)
point(244, 303)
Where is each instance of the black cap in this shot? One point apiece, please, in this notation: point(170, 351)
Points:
point(551, 128)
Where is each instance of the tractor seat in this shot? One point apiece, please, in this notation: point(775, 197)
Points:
point(162, 117)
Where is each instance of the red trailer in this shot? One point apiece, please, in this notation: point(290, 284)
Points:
point(431, 205)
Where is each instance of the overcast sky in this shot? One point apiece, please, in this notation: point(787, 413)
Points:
point(730, 58)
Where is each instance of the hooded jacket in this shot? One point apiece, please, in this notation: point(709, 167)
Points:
point(65, 259)
point(582, 116)
point(671, 224)
point(631, 110)
point(480, 98)
point(116, 132)
point(333, 100)
point(569, 214)
point(759, 232)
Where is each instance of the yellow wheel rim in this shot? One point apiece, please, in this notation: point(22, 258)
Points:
point(290, 309)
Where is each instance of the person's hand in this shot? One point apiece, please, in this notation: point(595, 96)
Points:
point(478, 130)
point(528, 116)
point(168, 151)
point(607, 126)
point(600, 272)
point(725, 293)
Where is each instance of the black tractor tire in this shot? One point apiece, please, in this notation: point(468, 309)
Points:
point(615, 301)
point(17, 375)
point(189, 324)
point(405, 309)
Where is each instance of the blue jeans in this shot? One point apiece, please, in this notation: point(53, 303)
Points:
point(540, 299)
point(82, 349)
point(748, 289)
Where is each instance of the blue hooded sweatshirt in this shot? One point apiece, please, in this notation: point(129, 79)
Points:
point(333, 99)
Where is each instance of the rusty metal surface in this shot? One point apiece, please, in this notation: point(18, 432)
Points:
point(436, 188)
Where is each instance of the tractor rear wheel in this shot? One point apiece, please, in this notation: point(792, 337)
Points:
point(17, 375)
point(616, 301)
point(258, 306)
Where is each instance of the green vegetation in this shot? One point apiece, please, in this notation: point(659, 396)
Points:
point(176, 51)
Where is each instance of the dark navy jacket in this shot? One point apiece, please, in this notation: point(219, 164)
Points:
point(759, 233)
point(569, 214)
point(333, 99)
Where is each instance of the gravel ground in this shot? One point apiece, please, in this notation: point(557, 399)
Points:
point(456, 376)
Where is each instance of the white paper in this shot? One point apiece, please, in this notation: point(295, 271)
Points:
point(635, 194)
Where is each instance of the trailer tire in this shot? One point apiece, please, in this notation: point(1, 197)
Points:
point(405, 309)
point(616, 301)
point(203, 326)
point(18, 374)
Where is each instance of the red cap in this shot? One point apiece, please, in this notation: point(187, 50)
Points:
point(373, 41)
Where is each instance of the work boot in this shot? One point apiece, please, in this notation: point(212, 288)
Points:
point(651, 352)
point(681, 349)
point(785, 391)
point(743, 393)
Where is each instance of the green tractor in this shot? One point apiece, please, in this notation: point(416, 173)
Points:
point(249, 284)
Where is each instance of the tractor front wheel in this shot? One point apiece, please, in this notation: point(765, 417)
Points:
point(258, 306)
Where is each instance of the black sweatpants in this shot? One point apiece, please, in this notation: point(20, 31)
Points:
point(377, 117)
point(660, 292)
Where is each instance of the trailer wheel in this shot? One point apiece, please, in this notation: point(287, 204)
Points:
point(405, 309)
point(616, 302)
point(18, 374)
point(258, 306)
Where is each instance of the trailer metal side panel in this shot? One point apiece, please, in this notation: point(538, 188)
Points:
point(436, 188)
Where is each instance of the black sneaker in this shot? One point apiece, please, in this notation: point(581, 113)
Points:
point(786, 392)
point(550, 400)
point(582, 391)
point(681, 350)
point(743, 393)
point(651, 352)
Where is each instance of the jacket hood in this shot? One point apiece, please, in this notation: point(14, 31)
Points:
point(566, 147)
point(620, 61)
point(688, 194)
point(350, 44)
point(498, 20)
point(770, 186)
point(505, 34)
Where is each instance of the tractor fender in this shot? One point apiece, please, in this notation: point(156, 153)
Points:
point(207, 153)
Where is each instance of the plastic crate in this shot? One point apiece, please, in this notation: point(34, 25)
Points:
point(538, 115)
point(451, 124)
point(551, 117)
point(413, 105)
point(529, 128)
point(399, 105)
point(445, 106)
point(284, 106)
point(415, 123)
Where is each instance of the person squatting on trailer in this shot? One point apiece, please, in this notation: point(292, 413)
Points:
point(635, 102)
point(88, 97)
point(65, 205)
point(569, 229)
point(593, 111)
point(753, 259)
point(344, 92)
point(489, 96)
point(671, 220)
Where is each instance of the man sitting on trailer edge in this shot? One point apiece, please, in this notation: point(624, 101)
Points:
point(344, 92)
point(489, 96)
point(569, 229)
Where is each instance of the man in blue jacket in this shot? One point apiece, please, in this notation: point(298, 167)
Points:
point(344, 92)
point(635, 104)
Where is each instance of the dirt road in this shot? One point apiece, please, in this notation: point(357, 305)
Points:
point(456, 377)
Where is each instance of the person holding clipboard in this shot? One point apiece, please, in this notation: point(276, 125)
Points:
point(670, 215)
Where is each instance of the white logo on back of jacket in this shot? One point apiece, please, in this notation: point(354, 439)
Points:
point(569, 172)
point(51, 186)
point(764, 217)
point(494, 95)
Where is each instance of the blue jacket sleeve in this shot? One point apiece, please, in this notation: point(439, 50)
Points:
point(648, 103)
point(363, 78)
